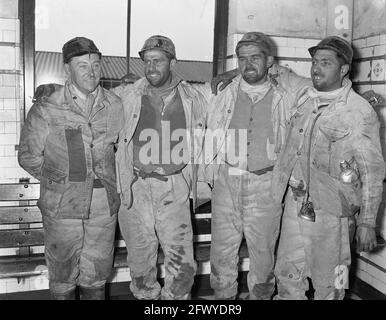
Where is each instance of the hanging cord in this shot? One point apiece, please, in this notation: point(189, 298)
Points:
point(307, 210)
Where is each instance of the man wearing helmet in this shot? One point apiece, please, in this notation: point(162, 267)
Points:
point(163, 133)
point(67, 142)
point(331, 171)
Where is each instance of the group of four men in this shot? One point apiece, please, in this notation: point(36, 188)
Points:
point(139, 150)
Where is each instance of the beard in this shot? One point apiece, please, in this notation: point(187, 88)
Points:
point(252, 76)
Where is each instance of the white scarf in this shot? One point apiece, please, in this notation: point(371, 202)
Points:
point(256, 93)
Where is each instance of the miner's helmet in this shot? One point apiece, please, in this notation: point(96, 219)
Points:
point(161, 43)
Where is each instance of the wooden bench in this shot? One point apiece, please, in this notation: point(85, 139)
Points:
point(21, 234)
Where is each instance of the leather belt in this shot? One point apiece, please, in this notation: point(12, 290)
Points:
point(162, 177)
point(262, 171)
point(97, 184)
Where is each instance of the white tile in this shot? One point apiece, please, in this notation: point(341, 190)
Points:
point(8, 92)
point(286, 52)
point(373, 41)
point(296, 42)
point(378, 70)
point(7, 24)
point(378, 88)
point(10, 127)
point(366, 52)
point(9, 36)
point(9, 104)
point(9, 151)
point(8, 115)
point(360, 43)
point(280, 41)
point(302, 53)
point(380, 50)
point(382, 39)
point(7, 58)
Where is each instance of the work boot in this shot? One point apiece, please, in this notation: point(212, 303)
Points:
point(63, 296)
point(92, 293)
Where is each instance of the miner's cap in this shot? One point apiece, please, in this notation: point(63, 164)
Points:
point(337, 44)
point(77, 47)
point(258, 39)
point(161, 43)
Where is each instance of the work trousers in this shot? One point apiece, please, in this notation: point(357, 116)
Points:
point(80, 252)
point(242, 205)
point(319, 250)
point(160, 215)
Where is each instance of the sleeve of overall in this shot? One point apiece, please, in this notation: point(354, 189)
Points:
point(32, 141)
point(371, 165)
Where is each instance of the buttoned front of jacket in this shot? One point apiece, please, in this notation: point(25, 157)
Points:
point(287, 89)
point(66, 150)
point(195, 108)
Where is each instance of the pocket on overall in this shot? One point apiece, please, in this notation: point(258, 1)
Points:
point(52, 187)
point(337, 198)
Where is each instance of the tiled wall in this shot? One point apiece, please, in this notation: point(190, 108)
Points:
point(369, 74)
point(291, 52)
point(11, 94)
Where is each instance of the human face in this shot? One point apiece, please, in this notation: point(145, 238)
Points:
point(327, 72)
point(85, 72)
point(157, 68)
point(253, 64)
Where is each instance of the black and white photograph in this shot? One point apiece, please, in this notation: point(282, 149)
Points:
point(208, 152)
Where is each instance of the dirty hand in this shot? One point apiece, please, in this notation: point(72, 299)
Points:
point(224, 78)
point(44, 90)
point(373, 98)
point(366, 238)
point(129, 78)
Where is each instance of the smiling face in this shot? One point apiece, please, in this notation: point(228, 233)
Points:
point(253, 64)
point(328, 70)
point(84, 72)
point(158, 67)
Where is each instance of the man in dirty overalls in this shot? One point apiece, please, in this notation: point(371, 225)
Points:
point(157, 172)
point(67, 143)
point(333, 163)
point(247, 129)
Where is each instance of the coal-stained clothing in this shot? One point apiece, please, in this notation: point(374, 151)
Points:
point(328, 138)
point(68, 143)
point(80, 252)
point(155, 205)
point(242, 202)
point(242, 206)
point(346, 130)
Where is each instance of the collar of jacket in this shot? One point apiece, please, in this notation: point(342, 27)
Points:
point(69, 97)
point(342, 98)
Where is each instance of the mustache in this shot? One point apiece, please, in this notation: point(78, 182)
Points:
point(250, 69)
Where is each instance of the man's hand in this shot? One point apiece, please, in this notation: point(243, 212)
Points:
point(44, 90)
point(129, 78)
point(366, 238)
point(224, 78)
point(373, 98)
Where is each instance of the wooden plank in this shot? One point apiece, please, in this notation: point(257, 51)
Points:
point(14, 215)
point(19, 192)
point(28, 266)
point(21, 238)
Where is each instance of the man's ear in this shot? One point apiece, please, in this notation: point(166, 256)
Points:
point(269, 61)
point(67, 69)
point(344, 70)
point(173, 63)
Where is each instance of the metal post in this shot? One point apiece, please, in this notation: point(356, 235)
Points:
point(128, 36)
point(220, 36)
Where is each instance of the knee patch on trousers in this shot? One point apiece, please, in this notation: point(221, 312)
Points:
point(62, 271)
